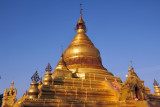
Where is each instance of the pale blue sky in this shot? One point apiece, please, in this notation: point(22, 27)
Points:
point(32, 32)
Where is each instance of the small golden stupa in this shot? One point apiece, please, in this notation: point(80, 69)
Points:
point(80, 80)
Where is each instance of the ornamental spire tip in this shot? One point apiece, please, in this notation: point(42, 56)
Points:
point(48, 68)
point(155, 83)
point(35, 77)
point(81, 10)
point(81, 23)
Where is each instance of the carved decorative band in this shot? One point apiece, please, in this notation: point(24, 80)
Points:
point(82, 60)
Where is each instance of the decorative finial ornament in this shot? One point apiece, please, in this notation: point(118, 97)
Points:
point(35, 77)
point(81, 23)
point(48, 68)
point(62, 48)
point(129, 70)
point(12, 83)
point(155, 83)
point(62, 56)
point(81, 9)
point(132, 69)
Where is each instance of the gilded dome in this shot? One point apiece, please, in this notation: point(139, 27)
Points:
point(81, 52)
point(81, 46)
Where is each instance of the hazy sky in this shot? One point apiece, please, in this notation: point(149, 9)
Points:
point(32, 32)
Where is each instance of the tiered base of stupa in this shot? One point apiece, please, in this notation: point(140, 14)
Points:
point(76, 92)
point(77, 103)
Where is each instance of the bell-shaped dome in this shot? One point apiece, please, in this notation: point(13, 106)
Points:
point(81, 52)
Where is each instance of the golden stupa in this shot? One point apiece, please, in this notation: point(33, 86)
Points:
point(80, 80)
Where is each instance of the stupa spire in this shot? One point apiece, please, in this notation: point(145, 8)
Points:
point(34, 91)
point(12, 83)
point(61, 64)
point(81, 10)
point(81, 23)
point(129, 69)
point(47, 80)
